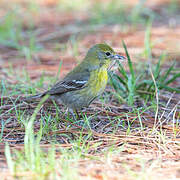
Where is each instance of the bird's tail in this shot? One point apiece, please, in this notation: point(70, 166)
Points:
point(34, 97)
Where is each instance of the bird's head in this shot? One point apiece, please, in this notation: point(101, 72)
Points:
point(102, 55)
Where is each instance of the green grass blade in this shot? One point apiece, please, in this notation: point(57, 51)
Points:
point(157, 69)
point(164, 77)
point(129, 63)
point(9, 158)
point(121, 80)
point(122, 71)
point(172, 79)
point(116, 83)
point(171, 89)
point(147, 40)
point(131, 88)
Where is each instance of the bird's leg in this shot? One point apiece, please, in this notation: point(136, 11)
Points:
point(76, 117)
point(77, 114)
point(74, 114)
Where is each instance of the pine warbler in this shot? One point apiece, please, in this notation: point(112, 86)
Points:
point(86, 81)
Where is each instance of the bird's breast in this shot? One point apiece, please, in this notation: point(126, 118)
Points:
point(98, 80)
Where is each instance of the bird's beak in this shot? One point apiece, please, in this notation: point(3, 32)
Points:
point(118, 57)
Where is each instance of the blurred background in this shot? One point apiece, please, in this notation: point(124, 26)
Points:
point(36, 35)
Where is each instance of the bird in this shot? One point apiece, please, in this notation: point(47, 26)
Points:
point(82, 85)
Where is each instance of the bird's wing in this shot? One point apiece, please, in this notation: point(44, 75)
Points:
point(70, 83)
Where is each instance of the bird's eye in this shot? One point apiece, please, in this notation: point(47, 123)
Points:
point(108, 53)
